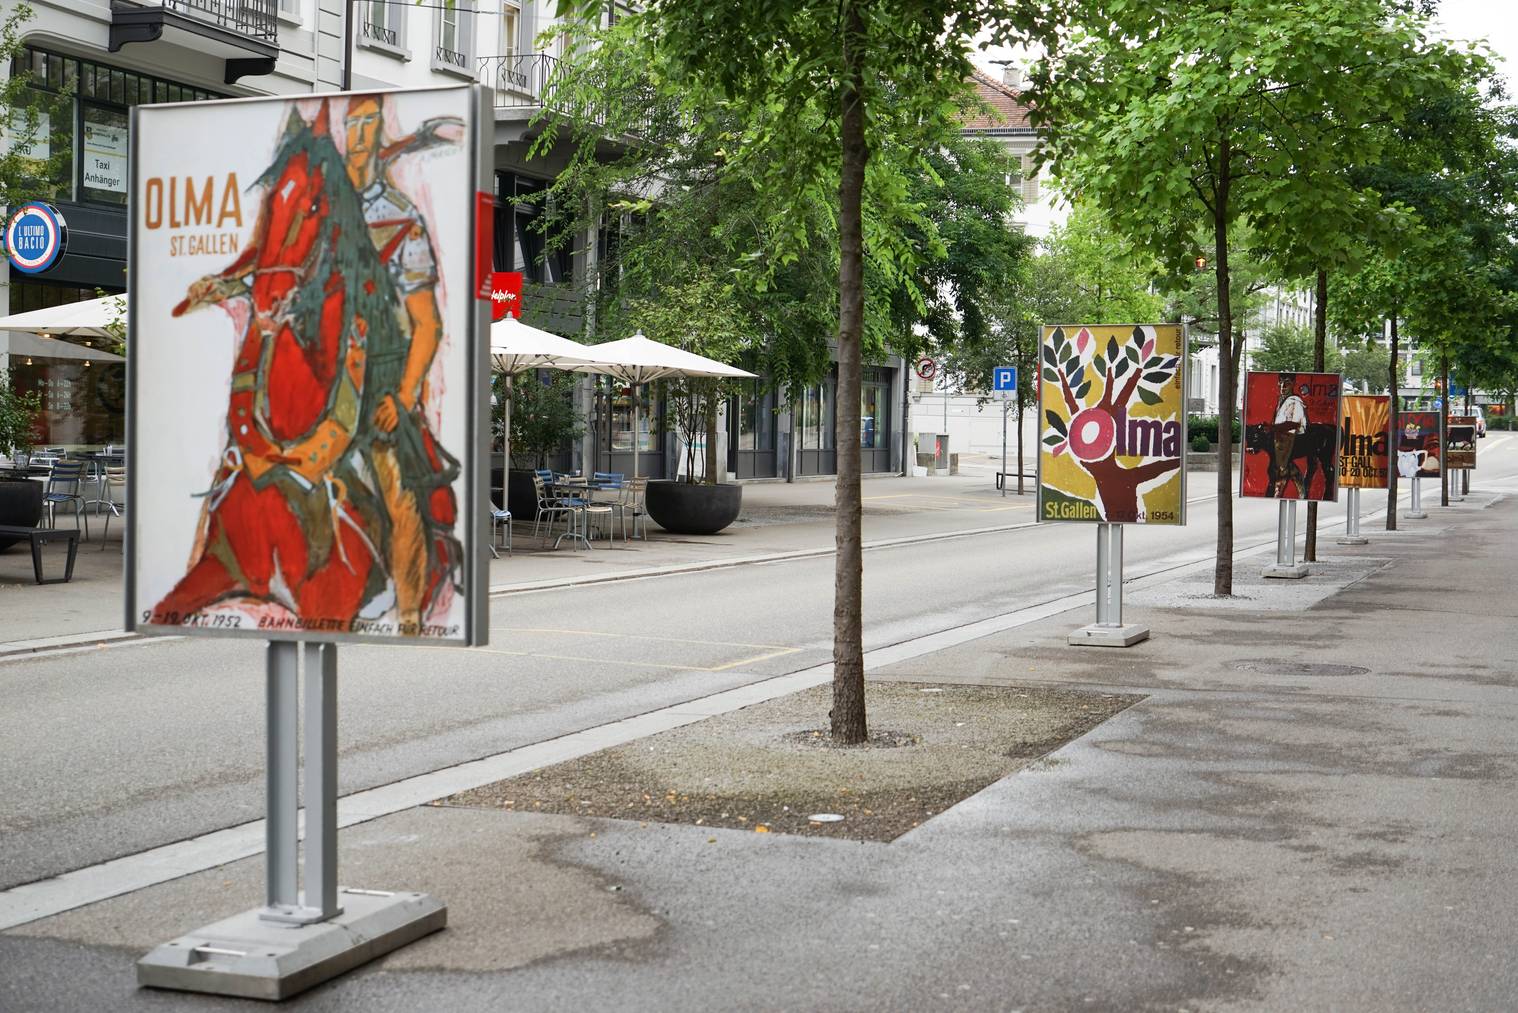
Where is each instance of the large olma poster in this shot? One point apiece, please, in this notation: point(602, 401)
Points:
point(1112, 424)
point(1291, 435)
point(1363, 444)
point(307, 389)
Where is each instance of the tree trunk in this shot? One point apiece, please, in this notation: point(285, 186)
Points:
point(711, 439)
point(848, 714)
point(1222, 573)
point(1319, 341)
point(1392, 440)
point(1443, 429)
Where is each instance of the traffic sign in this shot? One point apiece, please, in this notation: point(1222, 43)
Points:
point(35, 237)
point(927, 368)
point(1004, 378)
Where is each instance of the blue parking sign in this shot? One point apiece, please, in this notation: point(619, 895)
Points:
point(1004, 378)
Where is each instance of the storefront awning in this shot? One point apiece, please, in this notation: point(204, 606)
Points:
point(23, 344)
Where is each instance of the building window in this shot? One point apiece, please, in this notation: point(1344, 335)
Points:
point(82, 106)
point(1029, 180)
point(528, 224)
point(875, 409)
point(452, 38)
point(289, 10)
point(382, 26)
point(816, 431)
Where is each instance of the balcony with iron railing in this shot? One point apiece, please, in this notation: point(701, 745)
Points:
point(244, 32)
point(523, 87)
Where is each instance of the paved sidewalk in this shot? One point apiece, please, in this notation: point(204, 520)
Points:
point(777, 518)
point(1311, 809)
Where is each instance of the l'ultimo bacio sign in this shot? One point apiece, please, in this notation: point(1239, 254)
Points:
point(35, 237)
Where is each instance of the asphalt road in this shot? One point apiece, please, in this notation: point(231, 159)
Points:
point(111, 751)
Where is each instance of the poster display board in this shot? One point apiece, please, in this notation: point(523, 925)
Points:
point(1363, 443)
point(1418, 444)
point(1112, 424)
point(307, 383)
point(1291, 436)
point(1460, 441)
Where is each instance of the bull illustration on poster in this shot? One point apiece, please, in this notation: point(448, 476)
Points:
point(1112, 437)
point(1291, 435)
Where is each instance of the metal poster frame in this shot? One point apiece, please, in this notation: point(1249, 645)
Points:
point(474, 456)
point(1038, 460)
point(1338, 434)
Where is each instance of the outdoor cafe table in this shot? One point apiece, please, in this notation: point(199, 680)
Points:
point(580, 490)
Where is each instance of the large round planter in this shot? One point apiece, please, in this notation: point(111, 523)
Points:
point(20, 505)
point(686, 509)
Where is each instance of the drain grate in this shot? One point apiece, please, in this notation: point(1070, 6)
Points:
point(1278, 666)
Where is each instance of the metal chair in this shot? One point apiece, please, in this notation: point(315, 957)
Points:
point(610, 482)
point(549, 506)
point(499, 518)
point(65, 485)
point(114, 482)
point(632, 499)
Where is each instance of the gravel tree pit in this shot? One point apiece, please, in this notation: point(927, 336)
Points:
point(771, 767)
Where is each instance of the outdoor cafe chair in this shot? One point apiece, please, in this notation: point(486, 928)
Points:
point(550, 506)
point(65, 485)
point(499, 518)
point(632, 500)
point(610, 482)
point(113, 498)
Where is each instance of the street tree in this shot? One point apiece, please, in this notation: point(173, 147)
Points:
point(829, 99)
point(1175, 116)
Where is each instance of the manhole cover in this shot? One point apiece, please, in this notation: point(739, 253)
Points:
point(1277, 666)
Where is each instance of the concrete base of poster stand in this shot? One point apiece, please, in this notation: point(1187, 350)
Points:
point(299, 938)
point(1098, 635)
point(1109, 630)
point(1286, 566)
point(1353, 540)
point(252, 958)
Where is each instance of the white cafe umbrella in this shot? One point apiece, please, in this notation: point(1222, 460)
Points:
point(92, 318)
point(516, 347)
point(638, 360)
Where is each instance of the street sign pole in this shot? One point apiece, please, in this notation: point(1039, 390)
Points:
point(1004, 448)
point(1109, 630)
point(1286, 566)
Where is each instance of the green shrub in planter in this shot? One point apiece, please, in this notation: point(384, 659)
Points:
point(1200, 444)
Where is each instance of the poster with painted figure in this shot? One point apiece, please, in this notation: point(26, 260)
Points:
point(1291, 435)
point(307, 389)
point(1418, 444)
point(1460, 441)
point(1363, 443)
point(1112, 424)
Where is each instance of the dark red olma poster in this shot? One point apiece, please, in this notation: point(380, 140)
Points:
point(1291, 435)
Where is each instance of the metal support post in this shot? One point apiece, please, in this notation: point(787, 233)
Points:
point(1103, 574)
point(1004, 449)
point(1415, 510)
point(321, 781)
point(1455, 494)
point(1109, 629)
point(1286, 566)
point(281, 827)
point(1352, 534)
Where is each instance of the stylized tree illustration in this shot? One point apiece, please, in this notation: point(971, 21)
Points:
point(1092, 435)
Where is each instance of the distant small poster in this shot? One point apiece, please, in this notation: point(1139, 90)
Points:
point(1363, 444)
point(1291, 435)
point(1418, 444)
point(1460, 441)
